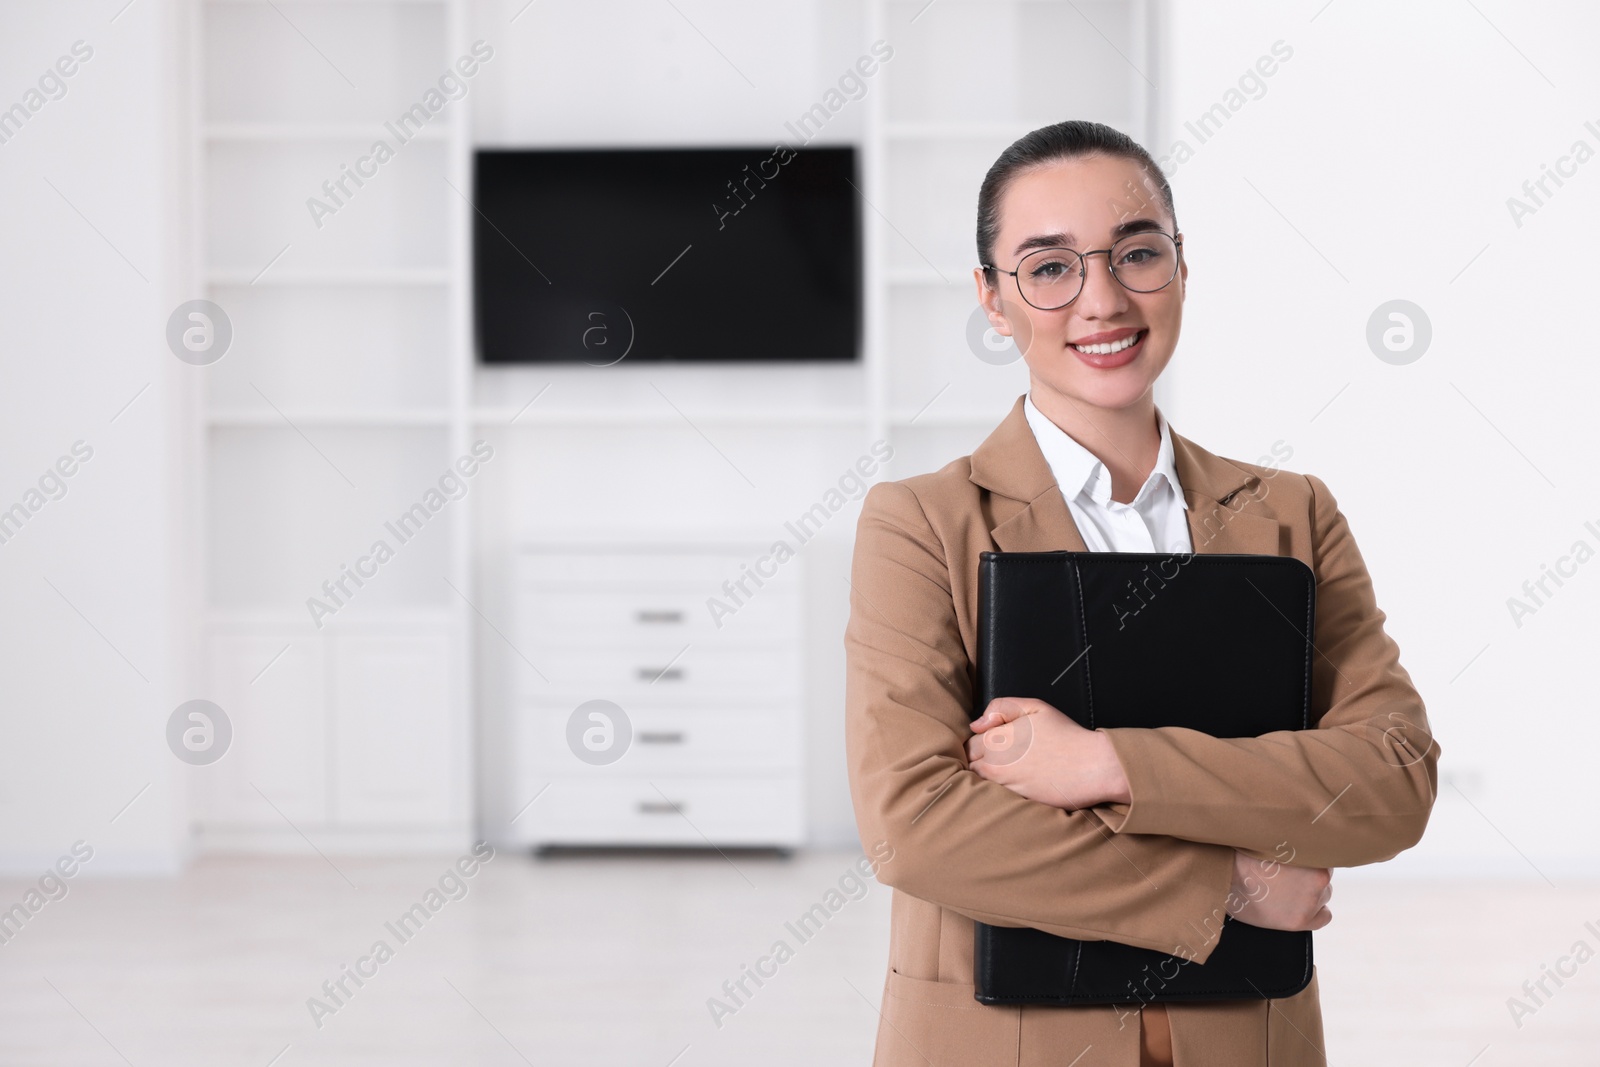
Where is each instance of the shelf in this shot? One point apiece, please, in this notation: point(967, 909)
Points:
point(926, 276)
point(353, 614)
point(329, 3)
point(313, 131)
point(719, 541)
point(920, 4)
point(844, 416)
point(902, 418)
point(957, 131)
point(327, 417)
point(979, 130)
point(339, 276)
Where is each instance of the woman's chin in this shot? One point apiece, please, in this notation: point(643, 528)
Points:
point(1110, 389)
point(1107, 394)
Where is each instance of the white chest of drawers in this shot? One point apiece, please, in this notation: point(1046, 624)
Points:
point(700, 742)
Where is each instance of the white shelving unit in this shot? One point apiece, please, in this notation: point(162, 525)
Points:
point(351, 383)
point(343, 399)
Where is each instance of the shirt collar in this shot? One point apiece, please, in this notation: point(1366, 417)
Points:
point(1079, 471)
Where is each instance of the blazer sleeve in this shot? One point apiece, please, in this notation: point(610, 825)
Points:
point(958, 840)
point(1357, 789)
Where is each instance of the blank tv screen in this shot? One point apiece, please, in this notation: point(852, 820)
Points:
point(648, 255)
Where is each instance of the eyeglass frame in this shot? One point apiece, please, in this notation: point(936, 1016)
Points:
point(1083, 267)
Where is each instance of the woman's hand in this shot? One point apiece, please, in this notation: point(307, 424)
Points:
point(1032, 749)
point(1268, 894)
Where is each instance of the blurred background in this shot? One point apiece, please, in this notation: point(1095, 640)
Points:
point(353, 603)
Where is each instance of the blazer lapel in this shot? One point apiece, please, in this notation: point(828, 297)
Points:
point(1030, 514)
point(1218, 494)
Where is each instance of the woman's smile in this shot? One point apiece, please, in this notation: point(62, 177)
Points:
point(1111, 348)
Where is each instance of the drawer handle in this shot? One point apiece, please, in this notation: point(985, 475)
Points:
point(661, 737)
point(661, 807)
point(647, 615)
point(656, 674)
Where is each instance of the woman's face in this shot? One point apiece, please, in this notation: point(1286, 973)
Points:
point(1085, 203)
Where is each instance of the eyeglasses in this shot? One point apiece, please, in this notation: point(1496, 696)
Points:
point(1052, 278)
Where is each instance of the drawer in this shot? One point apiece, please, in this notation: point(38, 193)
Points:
point(665, 672)
point(632, 569)
point(667, 811)
point(563, 616)
point(667, 741)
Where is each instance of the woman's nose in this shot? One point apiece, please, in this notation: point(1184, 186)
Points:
point(1101, 290)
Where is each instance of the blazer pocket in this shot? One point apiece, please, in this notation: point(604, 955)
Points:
point(940, 1023)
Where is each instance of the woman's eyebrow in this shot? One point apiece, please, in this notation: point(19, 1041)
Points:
point(1066, 240)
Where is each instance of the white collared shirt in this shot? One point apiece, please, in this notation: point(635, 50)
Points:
point(1153, 522)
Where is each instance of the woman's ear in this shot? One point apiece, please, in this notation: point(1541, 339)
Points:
point(989, 298)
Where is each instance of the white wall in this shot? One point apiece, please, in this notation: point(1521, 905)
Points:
point(92, 646)
point(1391, 141)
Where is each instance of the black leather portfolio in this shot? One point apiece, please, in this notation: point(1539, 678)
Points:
point(1216, 643)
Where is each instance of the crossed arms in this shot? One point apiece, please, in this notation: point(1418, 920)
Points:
point(1152, 860)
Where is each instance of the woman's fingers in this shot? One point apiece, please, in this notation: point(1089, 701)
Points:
point(1005, 742)
point(1279, 897)
point(980, 746)
point(994, 715)
point(1007, 709)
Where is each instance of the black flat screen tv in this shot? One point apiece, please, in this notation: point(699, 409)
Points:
point(620, 256)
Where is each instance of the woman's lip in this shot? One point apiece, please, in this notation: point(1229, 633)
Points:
point(1107, 336)
point(1115, 359)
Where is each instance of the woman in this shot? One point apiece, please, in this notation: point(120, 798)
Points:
point(1146, 837)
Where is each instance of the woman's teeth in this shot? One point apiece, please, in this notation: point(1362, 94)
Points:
point(1108, 349)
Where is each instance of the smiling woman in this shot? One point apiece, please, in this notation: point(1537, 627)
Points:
point(1024, 817)
point(1121, 324)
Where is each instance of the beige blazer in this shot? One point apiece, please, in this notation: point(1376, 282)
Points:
point(1156, 872)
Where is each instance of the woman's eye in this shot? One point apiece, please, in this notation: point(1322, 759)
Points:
point(1048, 271)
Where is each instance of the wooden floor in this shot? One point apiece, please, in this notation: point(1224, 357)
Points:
point(601, 960)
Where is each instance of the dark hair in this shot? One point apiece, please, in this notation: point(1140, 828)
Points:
point(1064, 140)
